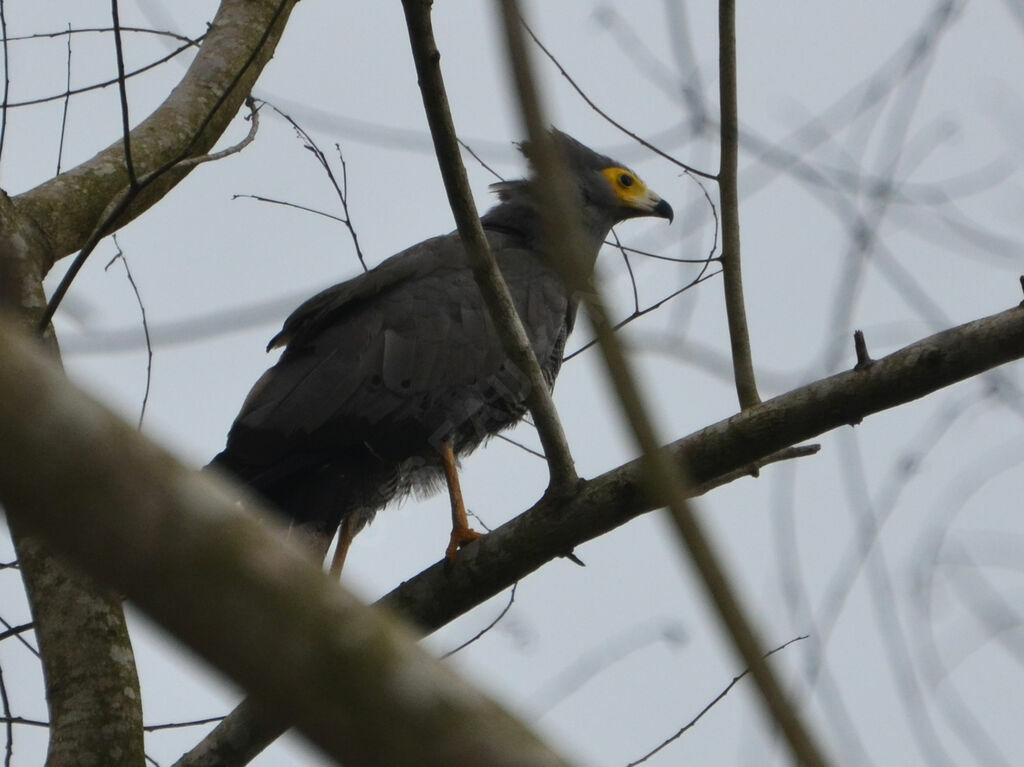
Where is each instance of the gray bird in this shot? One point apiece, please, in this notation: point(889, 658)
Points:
point(387, 378)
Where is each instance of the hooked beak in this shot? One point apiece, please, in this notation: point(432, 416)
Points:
point(650, 204)
point(663, 210)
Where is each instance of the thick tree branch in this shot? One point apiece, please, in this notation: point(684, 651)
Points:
point(485, 267)
point(548, 530)
point(188, 123)
point(229, 584)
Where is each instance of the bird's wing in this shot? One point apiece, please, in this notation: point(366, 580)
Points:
point(326, 306)
point(384, 375)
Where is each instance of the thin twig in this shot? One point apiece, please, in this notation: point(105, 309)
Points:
point(287, 204)
point(86, 30)
point(629, 268)
point(64, 113)
point(23, 720)
point(126, 128)
point(728, 187)
point(16, 630)
point(476, 157)
point(590, 102)
point(662, 257)
point(179, 725)
point(105, 83)
point(8, 726)
point(488, 627)
point(646, 310)
point(521, 446)
point(709, 706)
point(7, 79)
point(145, 325)
point(340, 189)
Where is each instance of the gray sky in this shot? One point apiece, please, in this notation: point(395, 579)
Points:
point(910, 645)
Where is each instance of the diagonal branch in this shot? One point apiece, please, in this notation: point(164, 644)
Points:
point(547, 530)
point(224, 580)
point(664, 480)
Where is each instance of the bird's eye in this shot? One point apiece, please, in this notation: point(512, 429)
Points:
point(626, 180)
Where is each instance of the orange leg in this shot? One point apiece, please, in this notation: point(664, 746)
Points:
point(345, 536)
point(462, 533)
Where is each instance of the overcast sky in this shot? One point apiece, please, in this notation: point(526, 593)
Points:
point(898, 547)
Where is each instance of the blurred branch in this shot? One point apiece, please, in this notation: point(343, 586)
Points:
point(224, 581)
point(665, 480)
point(485, 267)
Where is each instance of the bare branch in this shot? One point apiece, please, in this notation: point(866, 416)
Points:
point(728, 188)
point(145, 325)
point(711, 704)
point(126, 129)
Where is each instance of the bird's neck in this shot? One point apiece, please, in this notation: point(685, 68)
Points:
point(521, 219)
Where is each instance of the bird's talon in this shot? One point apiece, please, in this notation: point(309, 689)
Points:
point(460, 538)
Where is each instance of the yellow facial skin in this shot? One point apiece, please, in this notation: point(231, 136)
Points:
point(630, 190)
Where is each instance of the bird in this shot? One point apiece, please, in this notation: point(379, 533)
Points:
point(387, 379)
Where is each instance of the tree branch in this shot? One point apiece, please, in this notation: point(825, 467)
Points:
point(225, 581)
point(663, 479)
point(188, 123)
point(728, 188)
point(548, 530)
point(92, 688)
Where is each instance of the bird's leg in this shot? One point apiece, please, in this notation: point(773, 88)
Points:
point(346, 533)
point(462, 533)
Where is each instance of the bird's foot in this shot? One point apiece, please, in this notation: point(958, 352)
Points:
point(459, 538)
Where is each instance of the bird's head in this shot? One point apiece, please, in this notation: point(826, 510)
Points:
point(605, 184)
point(606, 191)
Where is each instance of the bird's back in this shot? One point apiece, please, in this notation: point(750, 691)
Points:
point(379, 370)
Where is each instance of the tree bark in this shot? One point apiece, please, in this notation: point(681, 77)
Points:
point(92, 688)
